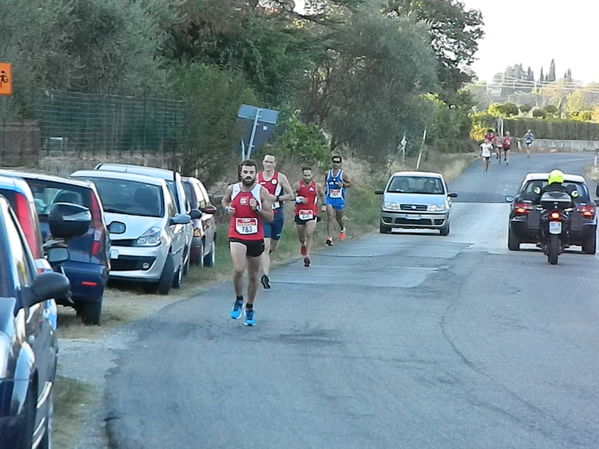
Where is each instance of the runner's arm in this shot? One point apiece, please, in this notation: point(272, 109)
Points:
point(346, 182)
point(265, 211)
point(320, 193)
point(287, 194)
point(226, 201)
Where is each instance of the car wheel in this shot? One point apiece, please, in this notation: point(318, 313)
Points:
point(29, 408)
point(513, 243)
point(589, 244)
point(383, 229)
point(210, 258)
point(167, 276)
point(197, 255)
point(178, 278)
point(90, 312)
point(445, 229)
point(46, 442)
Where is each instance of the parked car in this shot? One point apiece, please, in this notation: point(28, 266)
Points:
point(175, 185)
point(89, 254)
point(524, 219)
point(148, 234)
point(28, 346)
point(203, 244)
point(415, 200)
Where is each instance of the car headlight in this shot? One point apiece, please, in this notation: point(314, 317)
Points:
point(149, 238)
point(390, 206)
point(436, 208)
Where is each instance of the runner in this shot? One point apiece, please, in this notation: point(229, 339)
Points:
point(336, 182)
point(485, 153)
point(248, 204)
point(529, 137)
point(308, 194)
point(507, 145)
point(278, 186)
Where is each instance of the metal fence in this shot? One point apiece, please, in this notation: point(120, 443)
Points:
point(73, 122)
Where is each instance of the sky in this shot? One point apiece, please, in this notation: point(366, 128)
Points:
point(532, 32)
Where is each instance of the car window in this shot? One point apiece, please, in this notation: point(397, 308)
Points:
point(528, 191)
point(190, 194)
point(48, 193)
point(170, 205)
point(416, 184)
point(22, 267)
point(203, 197)
point(122, 196)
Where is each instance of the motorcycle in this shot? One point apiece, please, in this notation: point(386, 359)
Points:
point(555, 208)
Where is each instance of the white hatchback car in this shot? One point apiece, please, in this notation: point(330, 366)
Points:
point(147, 232)
point(415, 200)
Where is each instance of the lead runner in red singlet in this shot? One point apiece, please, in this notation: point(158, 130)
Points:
point(278, 186)
point(248, 204)
point(308, 195)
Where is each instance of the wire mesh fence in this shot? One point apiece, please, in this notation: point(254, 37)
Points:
point(72, 122)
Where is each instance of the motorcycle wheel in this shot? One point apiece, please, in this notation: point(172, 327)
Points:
point(553, 248)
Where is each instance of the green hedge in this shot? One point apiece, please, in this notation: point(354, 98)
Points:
point(552, 129)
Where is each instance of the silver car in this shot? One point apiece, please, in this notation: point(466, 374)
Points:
point(415, 200)
point(175, 185)
point(147, 232)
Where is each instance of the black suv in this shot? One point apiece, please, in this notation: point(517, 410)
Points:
point(523, 225)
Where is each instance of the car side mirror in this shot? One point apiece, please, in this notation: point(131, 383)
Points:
point(180, 219)
point(597, 190)
point(509, 199)
point(195, 214)
point(379, 192)
point(68, 220)
point(48, 285)
point(57, 254)
point(209, 209)
point(597, 203)
point(452, 195)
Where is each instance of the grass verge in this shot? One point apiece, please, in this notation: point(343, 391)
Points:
point(71, 399)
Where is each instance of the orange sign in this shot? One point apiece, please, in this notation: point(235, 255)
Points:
point(5, 78)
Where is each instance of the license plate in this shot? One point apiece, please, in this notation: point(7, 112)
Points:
point(413, 217)
point(555, 227)
point(114, 253)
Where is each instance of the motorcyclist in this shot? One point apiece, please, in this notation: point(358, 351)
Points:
point(555, 183)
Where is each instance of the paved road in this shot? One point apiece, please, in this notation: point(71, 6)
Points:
point(391, 341)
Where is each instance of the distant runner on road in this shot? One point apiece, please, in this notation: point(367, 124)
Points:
point(280, 190)
point(528, 138)
point(308, 194)
point(336, 184)
point(248, 204)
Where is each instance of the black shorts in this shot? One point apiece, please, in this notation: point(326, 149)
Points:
point(299, 221)
point(255, 248)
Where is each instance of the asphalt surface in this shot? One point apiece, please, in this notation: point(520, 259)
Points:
point(408, 340)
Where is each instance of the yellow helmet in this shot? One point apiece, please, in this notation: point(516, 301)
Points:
point(555, 177)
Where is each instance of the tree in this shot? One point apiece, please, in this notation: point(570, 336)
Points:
point(539, 113)
point(525, 108)
point(454, 32)
point(551, 75)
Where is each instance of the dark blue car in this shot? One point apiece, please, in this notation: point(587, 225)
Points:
point(28, 345)
point(89, 255)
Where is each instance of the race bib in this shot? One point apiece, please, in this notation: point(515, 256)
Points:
point(335, 193)
point(246, 226)
point(306, 214)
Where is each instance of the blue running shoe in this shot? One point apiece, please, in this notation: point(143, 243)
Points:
point(249, 317)
point(236, 310)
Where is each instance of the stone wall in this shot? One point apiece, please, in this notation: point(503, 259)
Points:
point(19, 142)
point(564, 145)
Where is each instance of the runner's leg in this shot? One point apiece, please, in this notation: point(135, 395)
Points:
point(310, 227)
point(330, 219)
point(268, 244)
point(253, 267)
point(238, 257)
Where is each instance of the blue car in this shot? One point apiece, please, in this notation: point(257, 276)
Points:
point(28, 344)
point(89, 255)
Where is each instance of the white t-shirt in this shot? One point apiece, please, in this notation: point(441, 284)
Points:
point(485, 149)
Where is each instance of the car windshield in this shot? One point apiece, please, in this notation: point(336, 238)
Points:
point(416, 184)
point(528, 191)
point(122, 196)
